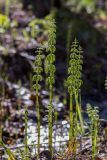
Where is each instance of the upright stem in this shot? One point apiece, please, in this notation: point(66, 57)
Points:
point(75, 123)
point(38, 120)
point(94, 139)
point(79, 112)
point(50, 119)
point(71, 119)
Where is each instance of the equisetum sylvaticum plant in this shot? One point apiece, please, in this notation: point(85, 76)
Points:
point(50, 72)
point(94, 125)
point(37, 78)
point(74, 83)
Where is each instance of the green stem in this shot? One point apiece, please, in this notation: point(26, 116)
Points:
point(79, 112)
point(92, 137)
point(10, 154)
point(75, 121)
point(71, 119)
point(50, 120)
point(38, 123)
point(94, 140)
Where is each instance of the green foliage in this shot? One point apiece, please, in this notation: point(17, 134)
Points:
point(4, 21)
point(34, 26)
point(37, 78)
point(50, 58)
point(41, 25)
point(75, 67)
point(26, 35)
point(10, 154)
point(51, 35)
point(73, 84)
point(94, 118)
point(89, 4)
point(77, 5)
point(50, 71)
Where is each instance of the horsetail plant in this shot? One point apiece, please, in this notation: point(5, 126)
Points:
point(74, 83)
point(37, 78)
point(50, 72)
point(94, 117)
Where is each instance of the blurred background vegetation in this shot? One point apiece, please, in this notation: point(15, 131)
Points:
point(84, 19)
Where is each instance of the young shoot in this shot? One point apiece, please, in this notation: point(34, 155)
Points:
point(94, 118)
point(50, 72)
point(37, 78)
point(74, 83)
